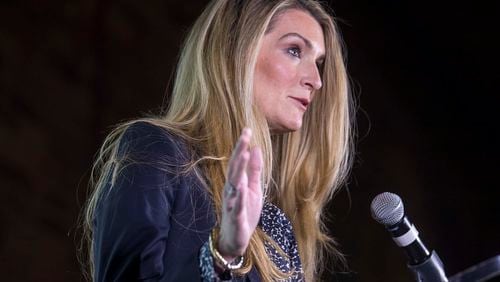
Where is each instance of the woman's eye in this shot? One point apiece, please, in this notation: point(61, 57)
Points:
point(294, 51)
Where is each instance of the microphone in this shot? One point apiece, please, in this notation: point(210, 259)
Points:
point(387, 209)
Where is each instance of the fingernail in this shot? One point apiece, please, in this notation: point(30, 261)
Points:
point(247, 131)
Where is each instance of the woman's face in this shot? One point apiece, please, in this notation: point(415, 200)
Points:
point(287, 69)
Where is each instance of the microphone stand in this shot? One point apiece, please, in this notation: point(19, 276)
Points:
point(431, 270)
point(483, 271)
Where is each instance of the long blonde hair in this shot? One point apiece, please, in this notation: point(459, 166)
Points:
point(212, 102)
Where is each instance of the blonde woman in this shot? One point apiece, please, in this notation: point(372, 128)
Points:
point(231, 183)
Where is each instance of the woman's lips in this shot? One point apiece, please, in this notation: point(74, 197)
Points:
point(301, 102)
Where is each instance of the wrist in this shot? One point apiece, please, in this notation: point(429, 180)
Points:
point(223, 262)
point(220, 246)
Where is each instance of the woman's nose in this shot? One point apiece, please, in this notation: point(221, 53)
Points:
point(311, 77)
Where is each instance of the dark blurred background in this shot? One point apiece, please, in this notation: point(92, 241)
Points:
point(425, 74)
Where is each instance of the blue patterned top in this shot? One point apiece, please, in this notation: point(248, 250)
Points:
point(276, 225)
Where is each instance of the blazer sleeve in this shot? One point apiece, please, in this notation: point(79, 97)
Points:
point(132, 218)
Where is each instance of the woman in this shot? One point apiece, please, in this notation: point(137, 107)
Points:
point(231, 182)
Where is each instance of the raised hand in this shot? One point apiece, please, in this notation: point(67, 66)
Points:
point(242, 199)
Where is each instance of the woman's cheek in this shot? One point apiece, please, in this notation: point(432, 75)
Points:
point(282, 72)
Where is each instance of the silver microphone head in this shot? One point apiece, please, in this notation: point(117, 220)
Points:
point(387, 208)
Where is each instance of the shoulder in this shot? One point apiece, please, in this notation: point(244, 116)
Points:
point(144, 141)
point(147, 164)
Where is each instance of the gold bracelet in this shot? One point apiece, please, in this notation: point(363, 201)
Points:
point(218, 257)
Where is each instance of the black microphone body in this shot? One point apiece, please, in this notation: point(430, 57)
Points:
point(416, 251)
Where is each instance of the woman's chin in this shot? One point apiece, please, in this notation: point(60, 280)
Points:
point(286, 127)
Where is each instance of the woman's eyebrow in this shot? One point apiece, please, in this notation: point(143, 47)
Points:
point(306, 41)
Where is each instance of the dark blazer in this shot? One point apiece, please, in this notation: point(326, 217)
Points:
point(151, 224)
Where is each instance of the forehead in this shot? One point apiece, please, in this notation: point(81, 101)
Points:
point(301, 22)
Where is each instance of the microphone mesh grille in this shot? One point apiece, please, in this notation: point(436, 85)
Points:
point(387, 208)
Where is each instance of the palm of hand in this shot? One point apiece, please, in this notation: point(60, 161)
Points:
point(242, 199)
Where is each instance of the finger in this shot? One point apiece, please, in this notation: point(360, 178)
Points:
point(254, 169)
point(236, 183)
point(240, 199)
point(243, 141)
point(229, 199)
point(240, 170)
point(229, 190)
point(241, 146)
